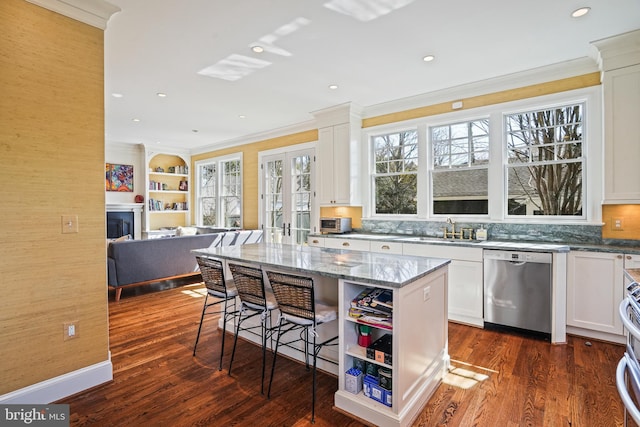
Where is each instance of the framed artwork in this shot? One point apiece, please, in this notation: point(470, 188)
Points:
point(119, 177)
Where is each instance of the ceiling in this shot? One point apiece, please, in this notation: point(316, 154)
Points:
point(218, 91)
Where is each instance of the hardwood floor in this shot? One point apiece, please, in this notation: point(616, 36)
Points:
point(497, 379)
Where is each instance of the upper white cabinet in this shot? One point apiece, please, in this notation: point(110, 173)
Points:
point(620, 63)
point(338, 157)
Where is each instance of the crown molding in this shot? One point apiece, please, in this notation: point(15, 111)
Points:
point(92, 12)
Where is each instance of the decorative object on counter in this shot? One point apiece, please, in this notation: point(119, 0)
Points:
point(481, 233)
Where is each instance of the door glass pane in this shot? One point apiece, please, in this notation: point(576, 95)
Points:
point(273, 201)
point(300, 198)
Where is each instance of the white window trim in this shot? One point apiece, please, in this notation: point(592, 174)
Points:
point(218, 160)
point(592, 150)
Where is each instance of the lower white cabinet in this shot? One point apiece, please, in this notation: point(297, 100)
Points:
point(465, 299)
point(352, 244)
point(595, 287)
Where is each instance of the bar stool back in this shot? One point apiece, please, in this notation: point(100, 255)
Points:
point(254, 301)
point(222, 290)
point(300, 311)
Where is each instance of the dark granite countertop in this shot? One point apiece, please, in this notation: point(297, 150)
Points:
point(532, 246)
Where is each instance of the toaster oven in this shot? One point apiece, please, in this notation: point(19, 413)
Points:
point(335, 225)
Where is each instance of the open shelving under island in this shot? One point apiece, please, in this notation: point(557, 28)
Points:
point(418, 321)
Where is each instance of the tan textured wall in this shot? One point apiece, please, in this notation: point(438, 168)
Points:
point(630, 215)
point(250, 169)
point(51, 164)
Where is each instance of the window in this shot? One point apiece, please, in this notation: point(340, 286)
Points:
point(460, 154)
point(395, 157)
point(219, 192)
point(545, 161)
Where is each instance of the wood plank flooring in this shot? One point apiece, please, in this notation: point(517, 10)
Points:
point(496, 379)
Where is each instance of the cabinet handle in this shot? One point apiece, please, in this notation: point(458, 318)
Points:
point(628, 256)
point(619, 257)
point(345, 244)
point(315, 241)
point(385, 247)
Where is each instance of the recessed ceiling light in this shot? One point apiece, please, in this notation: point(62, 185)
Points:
point(257, 49)
point(428, 58)
point(242, 116)
point(117, 95)
point(135, 120)
point(580, 12)
point(333, 87)
point(161, 95)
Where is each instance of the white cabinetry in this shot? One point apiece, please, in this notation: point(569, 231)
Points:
point(353, 244)
point(315, 241)
point(622, 139)
point(338, 174)
point(419, 350)
point(620, 63)
point(465, 279)
point(595, 287)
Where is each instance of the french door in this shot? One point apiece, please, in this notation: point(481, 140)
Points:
point(287, 196)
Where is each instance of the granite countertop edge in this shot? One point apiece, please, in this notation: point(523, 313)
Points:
point(533, 246)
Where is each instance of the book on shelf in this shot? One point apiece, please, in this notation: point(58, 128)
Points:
point(374, 299)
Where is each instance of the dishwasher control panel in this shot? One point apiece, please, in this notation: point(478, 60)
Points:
point(517, 256)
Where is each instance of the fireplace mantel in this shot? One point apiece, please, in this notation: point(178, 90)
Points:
point(136, 208)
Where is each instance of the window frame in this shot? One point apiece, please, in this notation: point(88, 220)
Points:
point(218, 161)
point(591, 97)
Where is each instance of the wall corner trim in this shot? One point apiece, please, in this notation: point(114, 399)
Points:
point(92, 12)
point(62, 386)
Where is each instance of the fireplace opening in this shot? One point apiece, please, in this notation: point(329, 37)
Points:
point(119, 224)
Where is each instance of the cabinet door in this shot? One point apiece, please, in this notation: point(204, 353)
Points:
point(325, 166)
point(622, 140)
point(594, 291)
point(334, 165)
point(465, 292)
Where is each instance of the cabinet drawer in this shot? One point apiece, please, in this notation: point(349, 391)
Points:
point(353, 244)
point(315, 241)
point(462, 253)
point(386, 247)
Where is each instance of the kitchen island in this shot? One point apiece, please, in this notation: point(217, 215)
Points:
point(418, 331)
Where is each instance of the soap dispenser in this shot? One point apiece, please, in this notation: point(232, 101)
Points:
point(481, 234)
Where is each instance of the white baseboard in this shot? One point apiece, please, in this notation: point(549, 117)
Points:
point(57, 388)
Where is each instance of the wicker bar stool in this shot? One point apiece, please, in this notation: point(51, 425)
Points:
point(254, 301)
point(223, 291)
point(300, 312)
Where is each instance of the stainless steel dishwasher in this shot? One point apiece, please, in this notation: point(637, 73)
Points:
point(517, 290)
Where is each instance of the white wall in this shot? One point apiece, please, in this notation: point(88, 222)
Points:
point(126, 154)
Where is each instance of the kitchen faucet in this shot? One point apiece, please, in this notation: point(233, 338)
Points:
point(453, 234)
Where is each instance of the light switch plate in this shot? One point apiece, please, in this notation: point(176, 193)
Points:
point(69, 224)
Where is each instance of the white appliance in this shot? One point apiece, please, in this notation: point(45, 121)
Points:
point(628, 371)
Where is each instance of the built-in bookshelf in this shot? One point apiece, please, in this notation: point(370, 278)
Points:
point(168, 191)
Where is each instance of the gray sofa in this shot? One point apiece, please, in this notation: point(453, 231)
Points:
point(140, 262)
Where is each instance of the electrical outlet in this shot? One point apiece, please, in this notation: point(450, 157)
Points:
point(426, 293)
point(617, 224)
point(69, 224)
point(70, 330)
